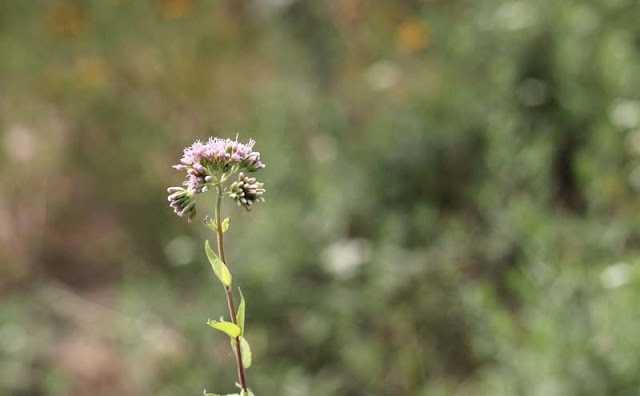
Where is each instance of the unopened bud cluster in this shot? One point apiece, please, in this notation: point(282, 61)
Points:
point(247, 191)
point(211, 164)
point(182, 201)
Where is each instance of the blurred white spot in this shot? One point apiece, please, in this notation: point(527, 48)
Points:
point(615, 275)
point(532, 92)
point(625, 113)
point(323, 148)
point(515, 15)
point(20, 143)
point(344, 257)
point(382, 75)
point(180, 250)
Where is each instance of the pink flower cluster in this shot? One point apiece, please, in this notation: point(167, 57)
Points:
point(206, 162)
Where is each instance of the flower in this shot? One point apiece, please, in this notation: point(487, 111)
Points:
point(247, 191)
point(207, 162)
point(182, 201)
point(211, 164)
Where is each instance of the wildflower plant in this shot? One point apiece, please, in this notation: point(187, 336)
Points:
point(212, 165)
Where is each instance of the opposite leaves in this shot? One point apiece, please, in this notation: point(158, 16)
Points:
point(211, 224)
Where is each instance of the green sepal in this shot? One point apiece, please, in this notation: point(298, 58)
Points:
point(225, 225)
point(219, 268)
point(248, 392)
point(228, 328)
point(240, 314)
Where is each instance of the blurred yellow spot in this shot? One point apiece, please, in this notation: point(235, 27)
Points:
point(175, 9)
point(68, 19)
point(412, 36)
point(90, 72)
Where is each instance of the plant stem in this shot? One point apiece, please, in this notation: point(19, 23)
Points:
point(232, 309)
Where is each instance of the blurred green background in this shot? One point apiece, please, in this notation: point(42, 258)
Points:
point(452, 196)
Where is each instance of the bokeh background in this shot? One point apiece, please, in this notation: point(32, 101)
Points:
point(452, 196)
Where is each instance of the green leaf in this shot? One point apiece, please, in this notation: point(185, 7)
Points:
point(221, 270)
point(240, 314)
point(247, 393)
point(225, 225)
point(245, 349)
point(228, 328)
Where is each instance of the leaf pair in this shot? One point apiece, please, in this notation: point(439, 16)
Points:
point(236, 330)
point(211, 224)
point(233, 331)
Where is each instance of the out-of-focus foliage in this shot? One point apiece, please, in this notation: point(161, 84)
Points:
point(452, 196)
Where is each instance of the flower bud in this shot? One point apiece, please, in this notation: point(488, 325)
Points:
point(182, 201)
point(247, 191)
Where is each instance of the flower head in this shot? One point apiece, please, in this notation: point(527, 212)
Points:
point(247, 191)
point(207, 162)
point(210, 164)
